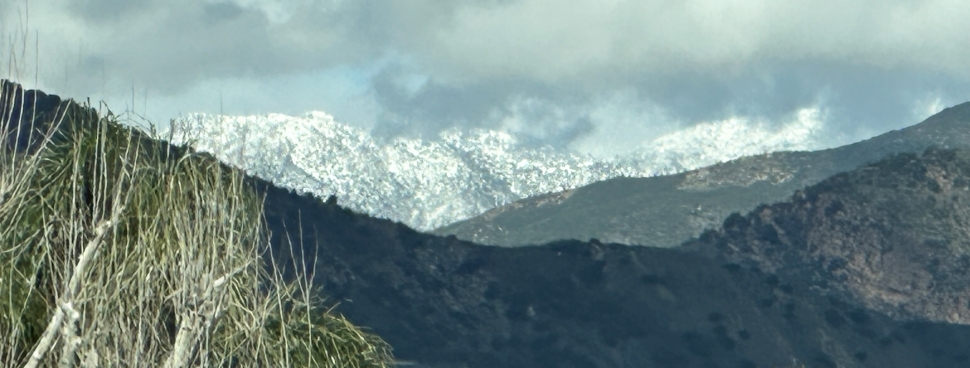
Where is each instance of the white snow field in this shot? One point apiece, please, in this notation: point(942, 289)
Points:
point(460, 174)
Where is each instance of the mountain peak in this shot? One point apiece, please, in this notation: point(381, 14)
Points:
point(667, 210)
point(427, 184)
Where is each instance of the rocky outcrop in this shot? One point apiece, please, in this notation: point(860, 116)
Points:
point(893, 236)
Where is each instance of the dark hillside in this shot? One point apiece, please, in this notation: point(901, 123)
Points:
point(442, 302)
point(28, 115)
point(894, 236)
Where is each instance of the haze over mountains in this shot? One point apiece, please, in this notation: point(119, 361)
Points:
point(666, 211)
point(431, 183)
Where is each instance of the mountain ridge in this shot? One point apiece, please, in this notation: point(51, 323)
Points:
point(664, 211)
point(459, 175)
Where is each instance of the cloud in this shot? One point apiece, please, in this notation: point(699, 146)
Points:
point(558, 72)
point(546, 40)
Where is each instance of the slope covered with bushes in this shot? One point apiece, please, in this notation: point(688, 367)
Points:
point(115, 247)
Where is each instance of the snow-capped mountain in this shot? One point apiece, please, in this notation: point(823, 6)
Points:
point(430, 183)
point(712, 142)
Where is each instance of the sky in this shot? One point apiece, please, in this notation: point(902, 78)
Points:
point(594, 76)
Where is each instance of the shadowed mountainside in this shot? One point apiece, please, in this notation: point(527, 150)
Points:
point(893, 236)
point(668, 210)
point(443, 302)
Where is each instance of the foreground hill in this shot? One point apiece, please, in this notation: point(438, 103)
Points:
point(443, 302)
point(666, 211)
point(117, 249)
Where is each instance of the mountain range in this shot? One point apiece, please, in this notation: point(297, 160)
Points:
point(664, 211)
point(866, 268)
point(430, 183)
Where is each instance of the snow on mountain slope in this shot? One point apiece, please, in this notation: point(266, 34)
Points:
point(712, 142)
point(430, 183)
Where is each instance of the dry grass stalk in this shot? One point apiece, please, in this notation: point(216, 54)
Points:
point(116, 252)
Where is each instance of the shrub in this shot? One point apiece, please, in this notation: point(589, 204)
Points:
point(115, 247)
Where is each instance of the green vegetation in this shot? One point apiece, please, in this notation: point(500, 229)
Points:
point(114, 248)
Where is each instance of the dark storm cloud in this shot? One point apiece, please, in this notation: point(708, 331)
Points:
point(169, 45)
point(221, 12)
point(855, 94)
point(546, 68)
point(428, 107)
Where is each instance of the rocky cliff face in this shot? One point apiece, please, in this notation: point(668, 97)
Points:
point(668, 210)
point(893, 236)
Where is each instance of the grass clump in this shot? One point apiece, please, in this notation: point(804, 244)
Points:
point(117, 250)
